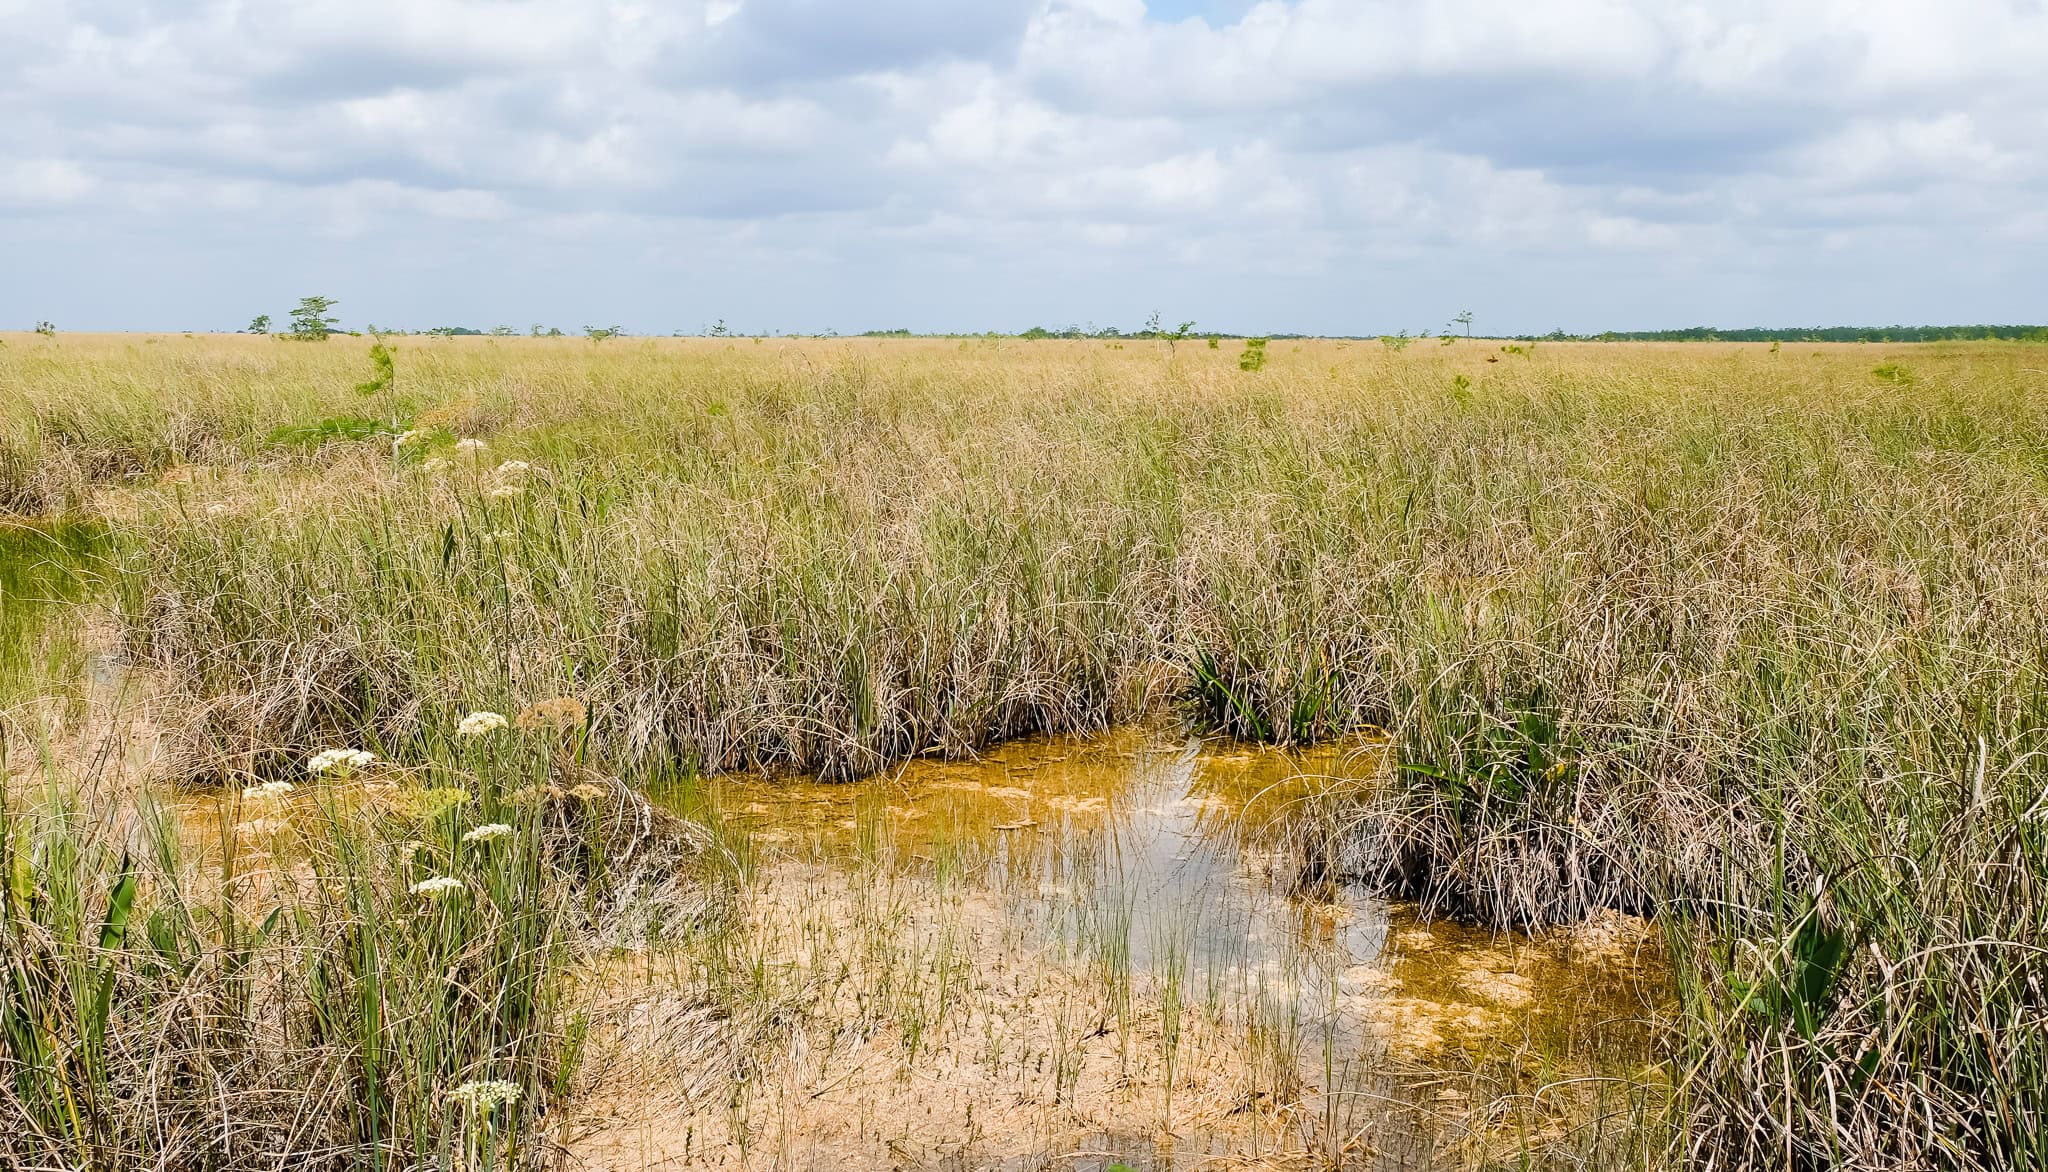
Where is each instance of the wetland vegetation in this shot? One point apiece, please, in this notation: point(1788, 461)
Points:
point(1022, 753)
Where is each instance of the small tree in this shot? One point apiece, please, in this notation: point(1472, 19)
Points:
point(46, 329)
point(501, 331)
point(1179, 335)
point(260, 324)
point(385, 370)
point(1464, 319)
point(310, 322)
point(600, 333)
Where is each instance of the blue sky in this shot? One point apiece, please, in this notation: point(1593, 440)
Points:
point(1342, 166)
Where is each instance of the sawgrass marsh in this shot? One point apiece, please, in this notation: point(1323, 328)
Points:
point(1730, 653)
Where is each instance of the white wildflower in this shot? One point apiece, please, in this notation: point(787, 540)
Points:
point(435, 465)
point(472, 448)
point(478, 724)
point(505, 492)
point(341, 761)
point(511, 469)
point(489, 832)
point(482, 1096)
point(409, 438)
point(501, 536)
point(267, 791)
point(437, 887)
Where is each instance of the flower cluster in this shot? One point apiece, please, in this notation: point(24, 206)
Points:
point(434, 465)
point(482, 1096)
point(478, 724)
point(510, 477)
point(586, 792)
point(473, 448)
point(342, 761)
point(561, 714)
point(489, 832)
point(268, 790)
point(414, 436)
point(437, 887)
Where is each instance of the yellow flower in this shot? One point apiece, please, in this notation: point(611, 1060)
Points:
point(562, 714)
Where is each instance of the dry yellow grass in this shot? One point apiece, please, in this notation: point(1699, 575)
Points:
point(1746, 638)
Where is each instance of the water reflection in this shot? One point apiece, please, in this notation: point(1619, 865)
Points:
point(1169, 864)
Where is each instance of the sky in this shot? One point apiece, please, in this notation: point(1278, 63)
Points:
point(1317, 166)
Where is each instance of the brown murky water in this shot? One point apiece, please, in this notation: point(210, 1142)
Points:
point(1157, 872)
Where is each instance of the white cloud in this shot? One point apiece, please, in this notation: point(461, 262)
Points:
point(42, 183)
point(821, 161)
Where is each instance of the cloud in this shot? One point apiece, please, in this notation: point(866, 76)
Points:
point(1316, 164)
point(774, 43)
point(29, 184)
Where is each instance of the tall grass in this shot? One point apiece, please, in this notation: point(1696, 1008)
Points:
point(365, 971)
point(1748, 640)
point(45, 565)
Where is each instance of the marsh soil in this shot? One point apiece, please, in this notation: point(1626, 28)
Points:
point(1078, 954)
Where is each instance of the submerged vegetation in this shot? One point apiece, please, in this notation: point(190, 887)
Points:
point(1742, 639)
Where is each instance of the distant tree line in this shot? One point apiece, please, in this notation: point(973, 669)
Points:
point(1808, 334)
point(311, 322)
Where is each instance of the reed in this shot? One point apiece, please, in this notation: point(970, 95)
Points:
point(1746, 639)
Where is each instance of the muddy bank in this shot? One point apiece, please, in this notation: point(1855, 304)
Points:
point(1082, 953)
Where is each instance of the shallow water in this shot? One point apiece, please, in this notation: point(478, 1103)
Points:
point(1169, 863)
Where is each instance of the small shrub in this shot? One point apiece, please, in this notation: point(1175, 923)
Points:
point(1254, 356)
